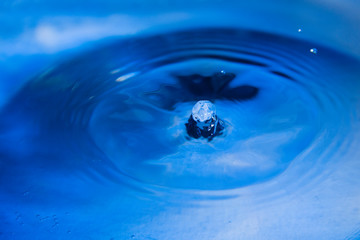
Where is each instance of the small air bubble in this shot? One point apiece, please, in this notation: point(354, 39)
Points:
point(299, 30)
point(314, 50)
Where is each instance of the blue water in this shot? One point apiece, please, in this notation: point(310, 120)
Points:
point(95, 146)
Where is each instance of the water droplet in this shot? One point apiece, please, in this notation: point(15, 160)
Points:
point(203, 121)
point(314, 50)
point(203, 111)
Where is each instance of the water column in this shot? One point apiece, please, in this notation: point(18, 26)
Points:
point(203, 121)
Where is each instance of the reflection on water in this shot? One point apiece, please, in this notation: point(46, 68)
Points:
point(100, 141)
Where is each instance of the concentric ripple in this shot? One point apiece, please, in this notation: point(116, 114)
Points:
point(120, 111)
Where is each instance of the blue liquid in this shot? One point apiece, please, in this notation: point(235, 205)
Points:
point(101, 138)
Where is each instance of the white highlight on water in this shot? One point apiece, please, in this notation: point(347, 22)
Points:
point(314, 50)
point(125, 77)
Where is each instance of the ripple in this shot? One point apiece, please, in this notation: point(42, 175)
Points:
point(119, 112)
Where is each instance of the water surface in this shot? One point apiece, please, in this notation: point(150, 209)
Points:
point(98, 143)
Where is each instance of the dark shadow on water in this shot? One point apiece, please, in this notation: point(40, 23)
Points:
point(197, 87)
